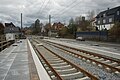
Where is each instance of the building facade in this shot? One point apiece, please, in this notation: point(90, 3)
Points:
point(2, 36)
point(107, 18)
point(55, 28)
point(11, 31)
point(1, 29)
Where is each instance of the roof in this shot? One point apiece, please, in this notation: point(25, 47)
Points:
point(8, 24)
point(57, 26)
point(108, 11)
point(1, 25)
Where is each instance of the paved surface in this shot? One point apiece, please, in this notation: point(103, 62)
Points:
point(40, 69)
point(113, 47)
point(32, 67)
point(14, 62)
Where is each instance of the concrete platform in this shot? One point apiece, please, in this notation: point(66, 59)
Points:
point(43, 75)
point(16, 63)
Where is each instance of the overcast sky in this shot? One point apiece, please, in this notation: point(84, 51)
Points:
point(60, 10)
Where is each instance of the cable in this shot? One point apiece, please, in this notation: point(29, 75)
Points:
point(45, 6)
point(42, 6)
point(67, 6)
point(67, 10)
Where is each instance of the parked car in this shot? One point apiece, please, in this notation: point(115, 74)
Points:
point(80, 39)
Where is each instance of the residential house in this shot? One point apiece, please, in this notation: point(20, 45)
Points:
point(1, 29)
point(2, 36)
point(55, 28)
point(107, 18)
point(11, 31)
point(58, 26)
point(52, 33)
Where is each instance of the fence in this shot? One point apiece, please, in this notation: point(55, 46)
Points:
point(5, 44)
point(2, 38)
point(95, 35)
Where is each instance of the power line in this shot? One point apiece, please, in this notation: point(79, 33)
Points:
point(42, 1)
point(45, 6)
point(67, 7)
point(70, 8)
point(42, 6)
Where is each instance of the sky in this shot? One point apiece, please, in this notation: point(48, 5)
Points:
point(60, 10)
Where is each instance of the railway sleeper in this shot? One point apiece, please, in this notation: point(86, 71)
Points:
point(114, 64)
point(47, 68)
point(54, 62)
point(72, 76)
point(45, 65)
point(108, 69)
point(50, 73)
point(107, 61)
point(95, 58)
point(67, 71)
point(118, 67)
point(100, 59)
point(60, 64)
point(84, 78)
point(50, 59)
point(54, 77)
point(62, 67)
point(89, 56)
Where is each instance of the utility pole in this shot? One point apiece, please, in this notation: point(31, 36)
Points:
point(49, 25)
point(21, 21)
point(50, 21)
point(21, 27)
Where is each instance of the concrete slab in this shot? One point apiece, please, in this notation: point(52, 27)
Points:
point(14, 62)
point(43, 75)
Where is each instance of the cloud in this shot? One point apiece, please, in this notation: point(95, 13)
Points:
point(61, 10)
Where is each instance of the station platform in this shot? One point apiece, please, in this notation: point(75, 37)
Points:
point(20, 62)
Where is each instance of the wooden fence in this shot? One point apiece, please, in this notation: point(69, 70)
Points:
point(2, 38)
point(5, 44)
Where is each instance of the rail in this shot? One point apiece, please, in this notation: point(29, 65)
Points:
point(97, 62)
point(74, 65)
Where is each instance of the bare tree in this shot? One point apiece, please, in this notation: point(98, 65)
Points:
point(78, 19)
point(91, 15)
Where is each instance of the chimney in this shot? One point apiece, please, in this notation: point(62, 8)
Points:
point(108, 8)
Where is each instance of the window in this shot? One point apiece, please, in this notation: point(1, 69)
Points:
point(118, 12)
point(104, 21)
point(98, 22)
point(110, 19)
point(103, 15)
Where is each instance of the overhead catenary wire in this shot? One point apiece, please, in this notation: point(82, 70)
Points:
point(62, 13)
point(45, 6)
point(66, 7)
point(42, 6)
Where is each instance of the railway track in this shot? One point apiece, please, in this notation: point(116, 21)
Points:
point(60, 68)
point(109, 64)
